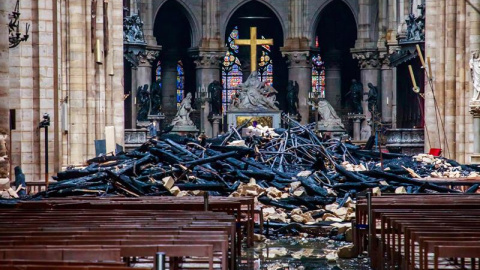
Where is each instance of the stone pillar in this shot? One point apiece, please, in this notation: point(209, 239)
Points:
point(333, 78)
point(369, 63)
point(4, 88)
point(387, 86)
point(4, 68)
point(300, 70)
point(169, 87)
point(207, 66)
point(144, 73)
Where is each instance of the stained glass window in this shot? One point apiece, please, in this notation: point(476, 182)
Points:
point(180, 82)
point(158, 73)
point(318, 75)
point(231, 71)
point(231, 78)
point(265, 68)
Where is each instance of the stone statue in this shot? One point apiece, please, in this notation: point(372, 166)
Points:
point(372, 98)
point(143, 100)
point(292, 97)
point(416, 25)
point(215, 90)
point(156, 98)
point(475, 73)
point(330, 119)
point(182, 118)
point(133, 29)
point(255, 95)
point(356, 92)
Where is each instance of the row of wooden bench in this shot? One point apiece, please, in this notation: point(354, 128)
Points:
point(243, 208)
point(427, 231)
point(60, 230)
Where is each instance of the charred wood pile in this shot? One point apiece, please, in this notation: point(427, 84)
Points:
point(300, 182)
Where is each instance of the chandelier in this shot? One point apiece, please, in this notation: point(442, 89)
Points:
point(15, 37)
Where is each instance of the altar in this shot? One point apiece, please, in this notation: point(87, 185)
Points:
point(270, 118)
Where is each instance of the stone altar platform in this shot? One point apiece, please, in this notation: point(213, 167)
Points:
point(271, 118)
point(408, 141)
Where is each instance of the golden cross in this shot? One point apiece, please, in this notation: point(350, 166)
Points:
point(253, 42)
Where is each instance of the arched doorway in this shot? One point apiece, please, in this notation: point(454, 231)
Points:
point(173, 32)
point(271, 65)
point(335, 35)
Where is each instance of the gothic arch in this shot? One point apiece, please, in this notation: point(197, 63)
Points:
point(316, 17)
point(188, 12)
point(232, 11)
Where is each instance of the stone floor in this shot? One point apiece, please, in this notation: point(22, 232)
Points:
point(297, 253)
point(287, 253)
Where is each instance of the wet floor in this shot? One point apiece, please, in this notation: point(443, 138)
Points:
point(298, 253)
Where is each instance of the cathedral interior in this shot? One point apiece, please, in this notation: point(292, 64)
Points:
point(86, 78)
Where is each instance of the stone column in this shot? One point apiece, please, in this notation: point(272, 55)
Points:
point(333, 78)
point(300, 70)
point(4, 87)
point(4, 68)
point(207, 66)
point(144, 72)
point(169, 86)
point(369, 73)
point(387, 86)
point(369, 63)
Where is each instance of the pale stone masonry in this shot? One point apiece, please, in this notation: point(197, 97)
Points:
point(55, 72)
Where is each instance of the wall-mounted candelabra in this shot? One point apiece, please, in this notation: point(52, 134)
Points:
point(15, 37)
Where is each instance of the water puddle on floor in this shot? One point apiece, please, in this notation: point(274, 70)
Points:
point(298, 253)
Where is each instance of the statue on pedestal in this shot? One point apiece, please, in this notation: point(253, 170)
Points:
point(372, 98)
point(215, 91)
point(330, 119)
point(475, 73)
point(255, 95)
point(143, 99)
point(356, 92)
point(182, 118)
point(292, 97)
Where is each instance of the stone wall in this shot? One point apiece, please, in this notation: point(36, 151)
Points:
point(449, 38)
point(55, 72)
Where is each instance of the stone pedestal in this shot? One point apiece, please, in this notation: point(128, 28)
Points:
point(357, 119)
point(265, 118)
point(185, 130)
point(158, 120)
point(216, 120)
point(300, 70)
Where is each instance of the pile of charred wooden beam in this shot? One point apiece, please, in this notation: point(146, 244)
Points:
point(296, 177)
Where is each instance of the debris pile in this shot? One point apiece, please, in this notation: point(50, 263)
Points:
point(302, 183)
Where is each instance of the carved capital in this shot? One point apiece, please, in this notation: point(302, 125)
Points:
point(207, 59)
point(297, 58)
point(148, 57)
point(367, 59)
